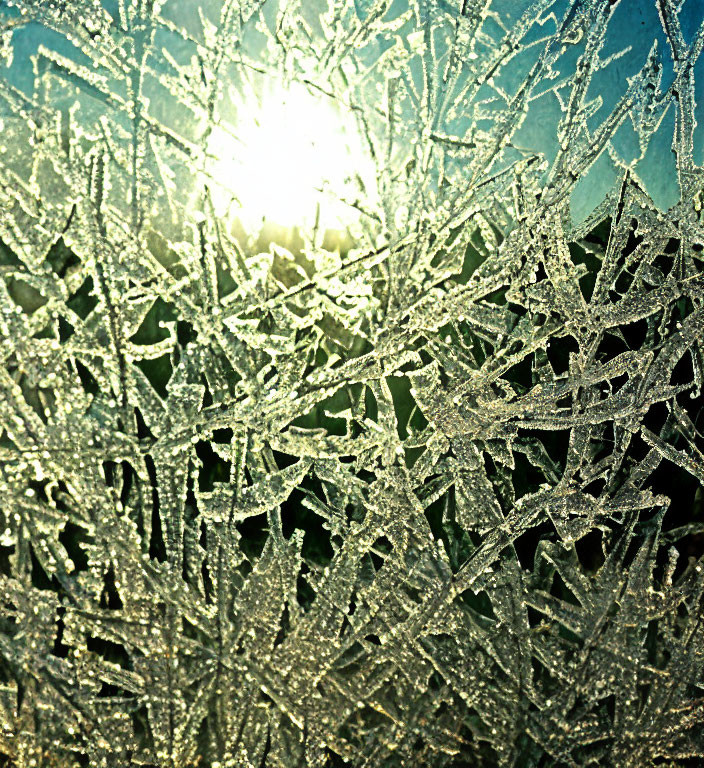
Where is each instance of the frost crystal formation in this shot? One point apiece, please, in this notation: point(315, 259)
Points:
point(383, 446)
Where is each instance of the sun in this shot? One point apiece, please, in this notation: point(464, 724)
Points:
point(293, 157)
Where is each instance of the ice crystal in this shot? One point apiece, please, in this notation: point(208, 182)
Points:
point(350, 396)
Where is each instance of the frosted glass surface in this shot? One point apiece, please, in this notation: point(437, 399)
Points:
point(350, 383)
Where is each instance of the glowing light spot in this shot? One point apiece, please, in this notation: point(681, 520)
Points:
point(293, 157)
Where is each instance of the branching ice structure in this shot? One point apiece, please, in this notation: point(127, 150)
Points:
point(418, 484)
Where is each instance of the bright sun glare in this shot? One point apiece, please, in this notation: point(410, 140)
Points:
point(291, 158)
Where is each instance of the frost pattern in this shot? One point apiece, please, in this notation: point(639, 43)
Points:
point(422, 492)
